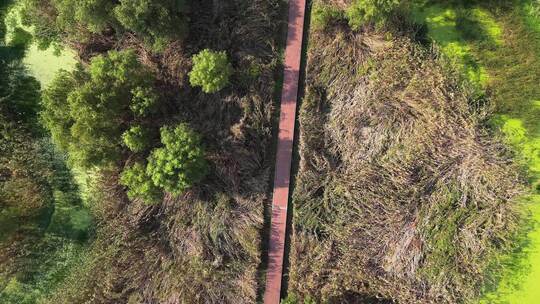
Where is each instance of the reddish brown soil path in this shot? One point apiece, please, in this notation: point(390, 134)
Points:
point(289, 96)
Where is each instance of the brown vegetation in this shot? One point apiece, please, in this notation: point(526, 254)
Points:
point(401, 192)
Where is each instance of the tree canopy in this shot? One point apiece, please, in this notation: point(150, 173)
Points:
point(136, 138)
point(173, 168)
point(140, 185)
point(211, 71)
point(180, 162)
point(87, 111)
point(156, 22)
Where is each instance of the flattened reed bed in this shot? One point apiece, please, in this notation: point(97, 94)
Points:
point(401, 193)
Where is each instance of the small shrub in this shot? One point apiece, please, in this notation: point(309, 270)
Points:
point(140, 185)
point(362, 12)
point(211, 71)
point(180, 163)
point(325, 14)
point(136, 138)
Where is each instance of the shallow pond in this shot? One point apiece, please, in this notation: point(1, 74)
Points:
point(42, 64)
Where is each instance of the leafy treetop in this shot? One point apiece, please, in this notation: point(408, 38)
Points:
point(136, 138)
point(211, 71)
point(88, 110)
point(156, 22)
point(180, 163)
point(173, 168)
point(140, 185)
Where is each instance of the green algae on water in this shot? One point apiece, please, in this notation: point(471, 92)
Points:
point(42, 64)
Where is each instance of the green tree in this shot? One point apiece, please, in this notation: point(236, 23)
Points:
point(88, 111)
point(156, 21)
point(55, 115)
point(72, 19)
point(143, 101)
point(211, 71)
point(180, 163)
point(140, 185)
point(136, 138)
point(361, 12)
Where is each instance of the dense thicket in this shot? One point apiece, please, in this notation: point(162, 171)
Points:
point(88, 110)
point(155, 22)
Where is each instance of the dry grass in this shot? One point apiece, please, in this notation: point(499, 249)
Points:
point(202, 247)
point(401, 194)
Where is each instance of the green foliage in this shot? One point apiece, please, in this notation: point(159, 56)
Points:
point(158, 22)
point(87, 111)
point(41, 216)
point(211, 71)
point(55, 116)
point(143, 101)
point(140, 185)
point(362, 12)
point(180, 163)
point(173, 168)
point(136, 138)
point(324, 14)
point(76, 20)
point(20, 38)
point(93, 15)
point(45, 31)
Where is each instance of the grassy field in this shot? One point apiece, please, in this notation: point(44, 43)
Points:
point(498, 48)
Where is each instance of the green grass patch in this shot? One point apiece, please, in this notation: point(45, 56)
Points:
point(498, 50)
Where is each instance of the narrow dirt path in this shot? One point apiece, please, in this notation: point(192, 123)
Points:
point(282, 177)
